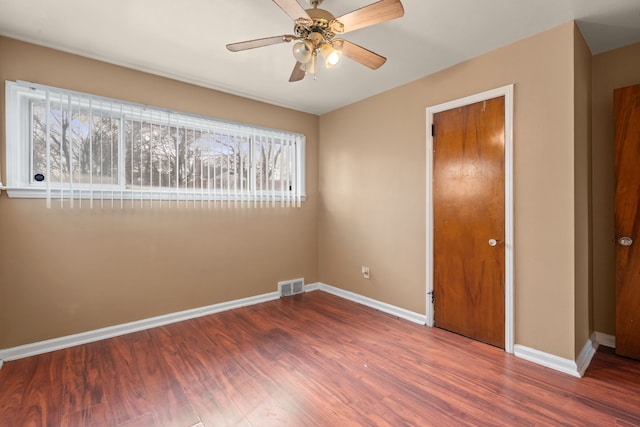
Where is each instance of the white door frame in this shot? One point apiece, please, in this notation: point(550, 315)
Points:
point(507, 92)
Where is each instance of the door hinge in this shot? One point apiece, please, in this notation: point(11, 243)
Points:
point(433, 296)
point(433, 130)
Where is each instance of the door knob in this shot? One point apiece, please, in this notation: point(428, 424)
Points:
point(493, 242)
point(625, 241)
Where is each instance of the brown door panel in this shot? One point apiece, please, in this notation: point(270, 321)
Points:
point(627, 159)
point(469, 205)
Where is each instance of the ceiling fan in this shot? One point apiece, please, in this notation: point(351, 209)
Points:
point(315, 31)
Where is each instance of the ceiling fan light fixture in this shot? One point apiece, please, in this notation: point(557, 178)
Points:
point(330, 55)
point(303, 51)
point(315, 30)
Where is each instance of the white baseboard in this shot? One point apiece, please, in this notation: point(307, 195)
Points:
point(576, 368)
point(546, 359)
point(605, 339)
point(126, 328)
point(46, 346)
point(312, 287)
point(402, 313)
point(586, 354)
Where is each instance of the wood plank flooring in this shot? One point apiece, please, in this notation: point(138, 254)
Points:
point(309, 360)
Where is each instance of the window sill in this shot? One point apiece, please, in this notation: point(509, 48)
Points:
point(117, 194)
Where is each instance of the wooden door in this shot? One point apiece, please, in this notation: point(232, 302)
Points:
point(627, 213)
point(468, 214)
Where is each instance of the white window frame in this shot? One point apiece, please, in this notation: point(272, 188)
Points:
point(18, 96)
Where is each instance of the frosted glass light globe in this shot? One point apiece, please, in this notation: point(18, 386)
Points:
point(302, 51)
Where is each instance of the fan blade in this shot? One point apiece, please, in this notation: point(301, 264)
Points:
point(292, 8)
point(359, 54)
point(252, 44)
point(375, 13)
point(297, 74)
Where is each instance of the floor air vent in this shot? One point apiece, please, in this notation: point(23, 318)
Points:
point(291, 287)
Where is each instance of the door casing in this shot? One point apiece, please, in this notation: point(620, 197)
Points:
point(507, 92)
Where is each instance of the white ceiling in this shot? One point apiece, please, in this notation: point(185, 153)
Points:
point(186, 39)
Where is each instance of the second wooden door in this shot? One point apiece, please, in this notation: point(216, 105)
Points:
point(627, 213)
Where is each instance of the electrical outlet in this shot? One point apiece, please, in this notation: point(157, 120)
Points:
point(365, 272)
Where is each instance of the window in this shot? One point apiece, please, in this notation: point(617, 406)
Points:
point(73, 146)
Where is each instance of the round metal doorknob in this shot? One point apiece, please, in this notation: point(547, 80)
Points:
point(493, 242)
point(625, 241)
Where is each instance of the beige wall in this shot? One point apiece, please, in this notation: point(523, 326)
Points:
point(371, 208)
point(372, 186)
point(582, 203)
point(68, 271)
point(611, 70)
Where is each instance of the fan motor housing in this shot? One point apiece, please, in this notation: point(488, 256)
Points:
point(322, 22)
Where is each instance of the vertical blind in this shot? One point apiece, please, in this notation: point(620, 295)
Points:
point(105, 152)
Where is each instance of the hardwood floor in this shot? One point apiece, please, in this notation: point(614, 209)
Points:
point(308, 360)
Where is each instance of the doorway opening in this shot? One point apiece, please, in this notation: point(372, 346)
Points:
point(505, 92)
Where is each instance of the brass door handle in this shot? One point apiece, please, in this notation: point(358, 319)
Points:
point(493, 242)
